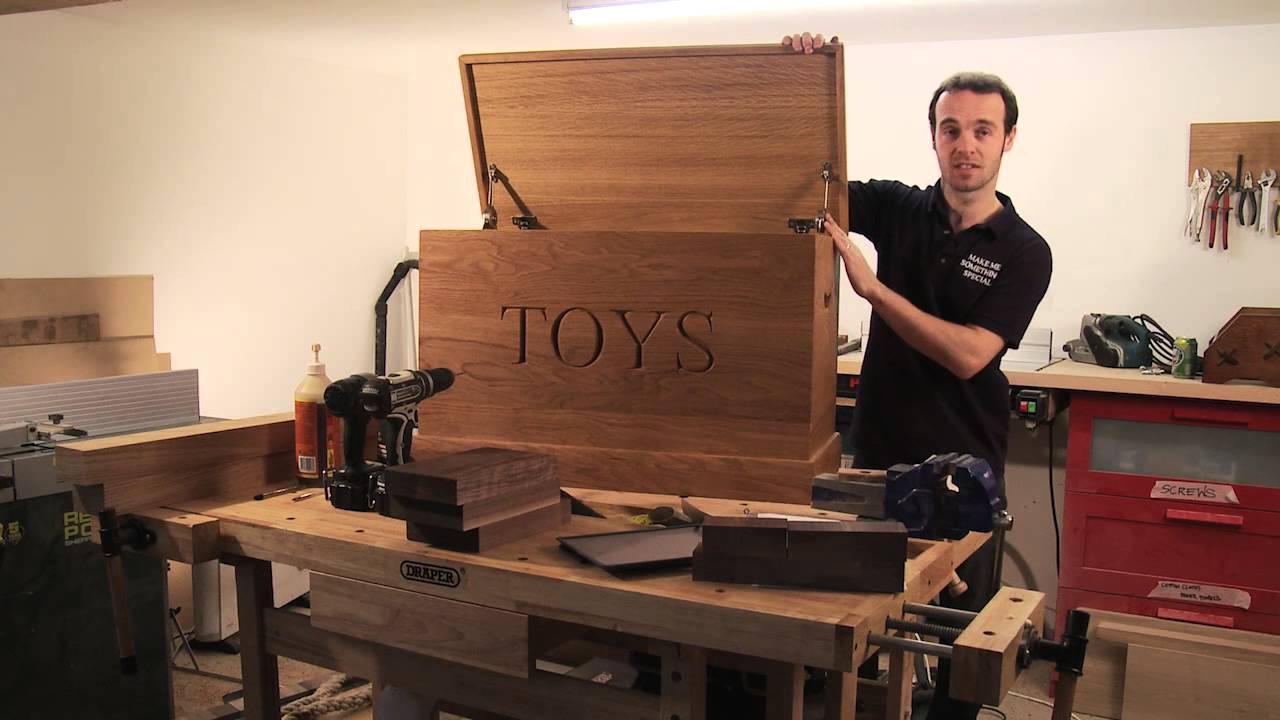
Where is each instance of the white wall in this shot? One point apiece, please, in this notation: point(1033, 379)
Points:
point(1099, 166)
point(264, 193)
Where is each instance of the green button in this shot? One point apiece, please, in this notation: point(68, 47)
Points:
point(1031, 406)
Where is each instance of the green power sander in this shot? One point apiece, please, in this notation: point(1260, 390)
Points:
point(1116, 341)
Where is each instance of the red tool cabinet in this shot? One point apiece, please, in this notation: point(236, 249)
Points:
point(1173, 510)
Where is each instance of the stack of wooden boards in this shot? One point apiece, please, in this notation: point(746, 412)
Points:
point(158, 468)
point(861, 556)
point(1144, 668)
point(58, 329)
point(478, 499)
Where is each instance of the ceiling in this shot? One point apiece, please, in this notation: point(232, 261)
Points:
point(389, 35)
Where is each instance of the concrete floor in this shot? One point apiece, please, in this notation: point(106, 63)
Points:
point(194, 693)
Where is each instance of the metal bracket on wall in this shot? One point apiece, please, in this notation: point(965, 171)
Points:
point(524, 222)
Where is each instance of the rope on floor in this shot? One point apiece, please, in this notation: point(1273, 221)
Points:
point(328, 699)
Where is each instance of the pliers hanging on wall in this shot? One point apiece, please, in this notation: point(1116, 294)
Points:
point(1221, 204)
point(1198, 195)
point(1247, 207)
point(1267, 221)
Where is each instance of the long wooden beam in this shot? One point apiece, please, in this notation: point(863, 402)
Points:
point(161, 467)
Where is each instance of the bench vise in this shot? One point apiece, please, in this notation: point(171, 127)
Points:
point(945, 496)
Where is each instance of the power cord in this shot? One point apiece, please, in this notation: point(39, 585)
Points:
point(1163, 350)
point(1053, 504)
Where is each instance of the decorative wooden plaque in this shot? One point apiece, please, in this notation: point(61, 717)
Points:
point(661, 329)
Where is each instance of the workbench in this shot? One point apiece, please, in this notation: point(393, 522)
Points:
point(1070, 375)
point(1171, 504)
point(465, 629)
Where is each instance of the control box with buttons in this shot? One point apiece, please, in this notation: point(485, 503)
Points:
point(1037, 405)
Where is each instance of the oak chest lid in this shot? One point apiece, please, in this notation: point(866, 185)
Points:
point(697, 139)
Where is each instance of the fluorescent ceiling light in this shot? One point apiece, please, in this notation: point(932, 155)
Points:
point(607, 12)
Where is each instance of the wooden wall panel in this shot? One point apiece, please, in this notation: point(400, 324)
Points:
point(727, 139)
point(1216, 145)
point(9, 7)
point(123, 303)
point(35, 364)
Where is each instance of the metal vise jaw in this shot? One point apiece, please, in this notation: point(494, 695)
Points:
point(945, 496)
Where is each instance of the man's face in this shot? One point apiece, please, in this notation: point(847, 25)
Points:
point(970, 139)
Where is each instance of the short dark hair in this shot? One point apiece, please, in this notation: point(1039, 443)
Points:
point(978, 82)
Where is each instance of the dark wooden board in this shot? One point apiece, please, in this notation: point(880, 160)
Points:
point(487, 537)
point(473, 514)
point(863, 556)
point(1246, 348)
point(746, 536)
point(476, 474)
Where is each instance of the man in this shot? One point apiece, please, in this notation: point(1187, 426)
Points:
point(959, 275)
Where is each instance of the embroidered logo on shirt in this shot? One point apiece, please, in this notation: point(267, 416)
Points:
point(980, 269)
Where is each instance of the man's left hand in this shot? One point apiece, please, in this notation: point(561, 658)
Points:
point(861, 276)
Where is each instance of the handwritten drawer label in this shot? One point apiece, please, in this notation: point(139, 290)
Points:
point(1195, 592)
point(1195, 492)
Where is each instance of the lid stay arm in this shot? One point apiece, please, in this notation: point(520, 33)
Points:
point(803, 226)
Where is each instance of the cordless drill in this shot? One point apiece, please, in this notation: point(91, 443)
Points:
point(357, 399)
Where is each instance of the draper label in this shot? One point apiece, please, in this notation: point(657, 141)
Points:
point(1195, 492)
point(430, 574)
point(1197, 593)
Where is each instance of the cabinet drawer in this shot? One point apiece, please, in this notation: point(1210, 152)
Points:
point(1072, 598)
point(1216, 453)
point(1128, 546)
point(461, 632)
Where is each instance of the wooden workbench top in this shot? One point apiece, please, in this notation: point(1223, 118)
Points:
point(535, 577)
point(1083, 377)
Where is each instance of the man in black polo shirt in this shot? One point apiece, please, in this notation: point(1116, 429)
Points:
point(958, 277)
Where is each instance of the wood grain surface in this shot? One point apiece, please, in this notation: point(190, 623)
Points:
point(1216, 145)
point(474, 635)
point(480, 474)
point(48, 330)
point(1101, 690)
point(548, 516)
point(123, 303)
point(727, 139)
point(985, 654)
point(159, 467)
point(706, 344)
point(535, 577)
point(8, 7)
point(36, 364)
point(1162, 684)
point(1246, 348)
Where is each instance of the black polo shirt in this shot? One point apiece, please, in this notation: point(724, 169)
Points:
point(992, 275)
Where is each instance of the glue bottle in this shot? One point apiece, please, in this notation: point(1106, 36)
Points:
point(316, 434)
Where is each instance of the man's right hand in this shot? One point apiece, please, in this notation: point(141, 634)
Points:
point(805, 43)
